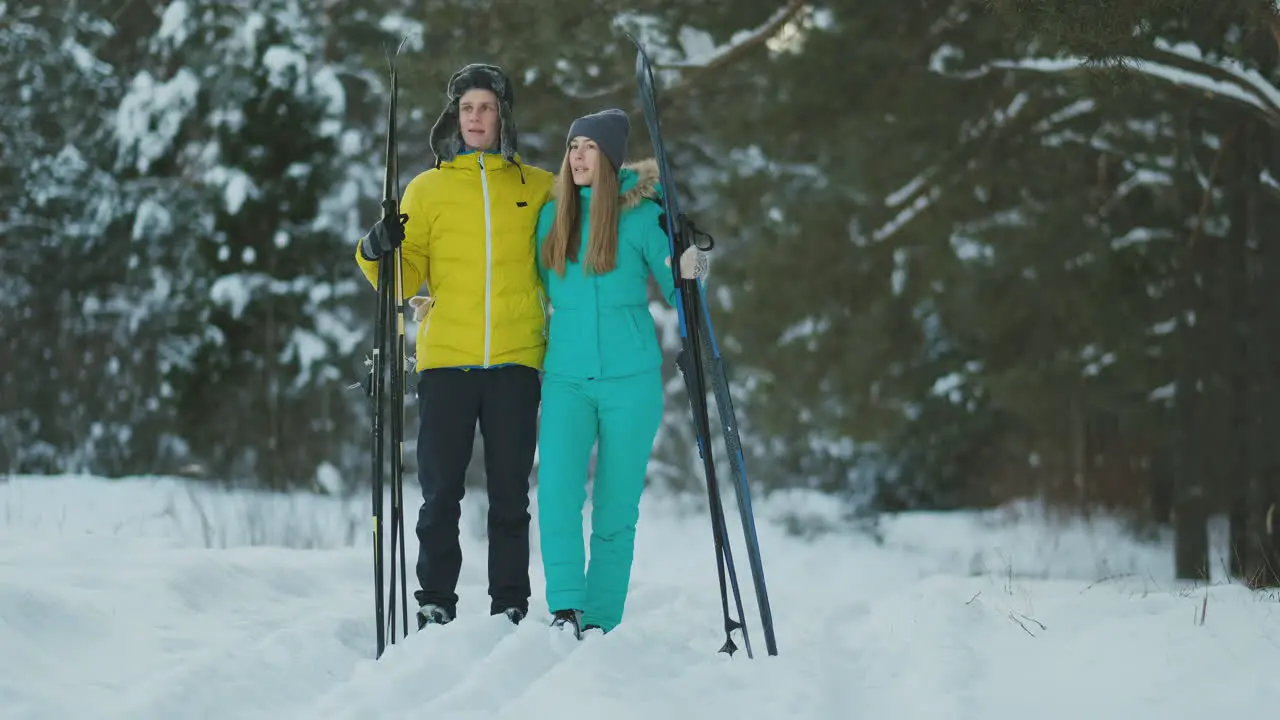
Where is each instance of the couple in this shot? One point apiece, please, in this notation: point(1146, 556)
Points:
point(494, 240)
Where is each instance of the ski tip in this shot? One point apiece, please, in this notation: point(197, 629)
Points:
point(644, 66)
point(391, 57)
point(638, 45)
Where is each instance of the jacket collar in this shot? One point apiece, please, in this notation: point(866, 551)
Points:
point(470, 160)
point(637, 181)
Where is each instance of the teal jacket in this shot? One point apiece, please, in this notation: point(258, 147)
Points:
point(600, 324)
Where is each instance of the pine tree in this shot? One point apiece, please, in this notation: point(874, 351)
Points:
point(262, 397)
point(86, 307)
point(1216, 57)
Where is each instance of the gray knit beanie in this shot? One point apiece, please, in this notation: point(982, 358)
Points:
point(609, 129)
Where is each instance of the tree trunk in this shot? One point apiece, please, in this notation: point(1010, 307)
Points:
point(1262, 568)
point(1190, 519)
point(1237, 462)
point(1190, 515)
point(1079, 452)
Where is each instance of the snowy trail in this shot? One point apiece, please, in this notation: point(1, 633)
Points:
point(113, 625)
point(132, 629)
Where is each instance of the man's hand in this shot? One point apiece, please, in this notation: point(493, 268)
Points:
point(384, 237)
point(421, 305)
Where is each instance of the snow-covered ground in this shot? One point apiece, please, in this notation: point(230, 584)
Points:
point(152, 598)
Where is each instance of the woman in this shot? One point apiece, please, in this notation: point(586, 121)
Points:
point(598, 240)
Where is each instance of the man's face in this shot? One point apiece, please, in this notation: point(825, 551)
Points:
point(478, 119)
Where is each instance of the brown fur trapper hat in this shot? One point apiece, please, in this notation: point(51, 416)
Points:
point(446, 138)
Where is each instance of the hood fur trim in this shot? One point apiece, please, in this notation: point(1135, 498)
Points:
point(646, 187)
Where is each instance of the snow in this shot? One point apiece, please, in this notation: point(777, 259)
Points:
point(1096, 360)
point(233, 292)
point(1174, 75)
point(310, 350)
point(85, 60)
point(969, 250)
point(1166, 393)
point(346, 335)
point(919, 204)
point(1267, 178)
point(700, 49)
point(156, 597)
point(285, 66)
point(409, 30)
point(1071, 111)
point(1142, 178)
point(783, 31)
point(898, 278)
point(237, 186)
point(807, 329)
point(1140, 236)
point(949, 386)
point(152, 219)
point(902, 194)
point(175, 23)
point(1267, 96)
point(648, 29)
point(151, 114)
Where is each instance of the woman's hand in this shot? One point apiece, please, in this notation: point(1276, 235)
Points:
point(694, 263)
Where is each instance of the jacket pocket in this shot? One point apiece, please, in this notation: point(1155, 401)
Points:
point(636, 329)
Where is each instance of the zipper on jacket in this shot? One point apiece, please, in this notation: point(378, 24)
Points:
point(488, 260)
point(542, 301)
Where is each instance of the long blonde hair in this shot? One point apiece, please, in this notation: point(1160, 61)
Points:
point(564, 241)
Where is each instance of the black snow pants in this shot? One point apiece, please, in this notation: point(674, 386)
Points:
point(504, 402)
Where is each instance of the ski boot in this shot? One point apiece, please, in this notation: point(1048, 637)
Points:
point(571, 618)
point(514, 614)
point(433, 615)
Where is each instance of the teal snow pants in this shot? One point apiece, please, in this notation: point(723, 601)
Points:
point(623, 415)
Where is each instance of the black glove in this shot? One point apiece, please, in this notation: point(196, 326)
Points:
point(384, 237)
point(693, 232)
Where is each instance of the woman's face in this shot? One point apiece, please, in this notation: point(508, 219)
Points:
point(584, 157)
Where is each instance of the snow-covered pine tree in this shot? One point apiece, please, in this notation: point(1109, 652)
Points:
point(261, 397)
point(88, 304)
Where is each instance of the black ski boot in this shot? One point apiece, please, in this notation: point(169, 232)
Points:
point(514, 614)
point(572, 618)
point(433, 615)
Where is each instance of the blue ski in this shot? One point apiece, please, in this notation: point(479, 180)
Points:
point(699, 357)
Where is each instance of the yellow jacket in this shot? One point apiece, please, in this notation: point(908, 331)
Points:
point(470, 239)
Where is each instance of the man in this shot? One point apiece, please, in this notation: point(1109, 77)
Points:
point(469, 237)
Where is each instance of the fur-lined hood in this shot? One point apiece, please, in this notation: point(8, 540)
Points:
point(637, 181)
point(446, 137)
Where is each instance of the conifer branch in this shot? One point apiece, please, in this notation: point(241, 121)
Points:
point(726, 54)
point(1171, 68)
point(722, 56)
point(951, 169)
point(1206, 199)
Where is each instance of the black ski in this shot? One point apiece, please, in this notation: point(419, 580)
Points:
point(386, 389)
point(700, 357)
point(714, 366)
